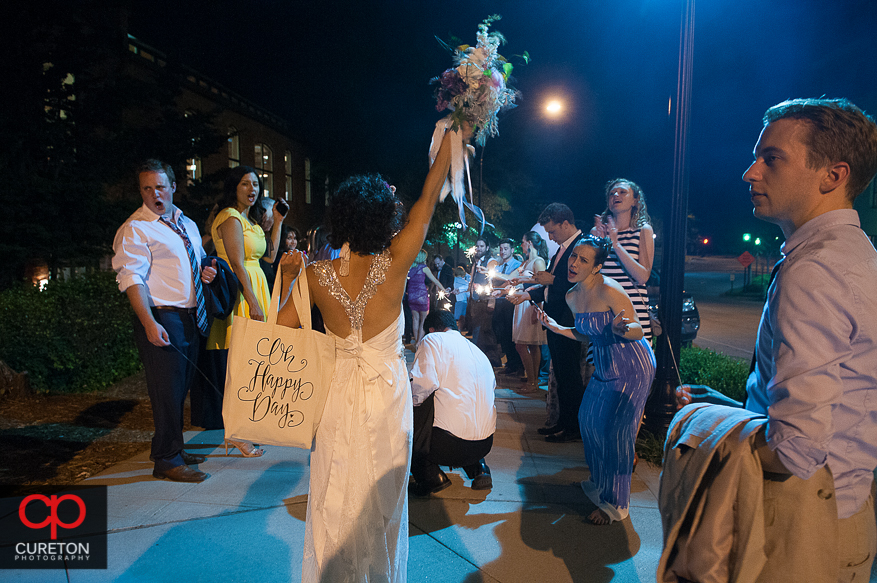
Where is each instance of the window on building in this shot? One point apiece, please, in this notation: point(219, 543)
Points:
point(308, 180)
point(287, 159)
point(193, 165)
point(193, 171)
point(234, 147)
point(265, 166)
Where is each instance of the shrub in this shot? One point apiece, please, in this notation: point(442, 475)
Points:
point(76, 335)
point(699, 366)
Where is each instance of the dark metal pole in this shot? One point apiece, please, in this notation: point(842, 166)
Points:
point(481, 176)
point(661, 405)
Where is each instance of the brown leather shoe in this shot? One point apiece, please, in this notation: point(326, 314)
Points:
point(180, 474)
point(191, 459)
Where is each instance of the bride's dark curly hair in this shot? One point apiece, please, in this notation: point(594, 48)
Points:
point(365, 213)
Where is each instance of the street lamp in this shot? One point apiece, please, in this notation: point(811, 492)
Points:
point(553, 108)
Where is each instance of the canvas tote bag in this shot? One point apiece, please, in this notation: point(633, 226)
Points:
point(277, 377)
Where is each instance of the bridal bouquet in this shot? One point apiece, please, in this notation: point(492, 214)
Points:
point(475, 90)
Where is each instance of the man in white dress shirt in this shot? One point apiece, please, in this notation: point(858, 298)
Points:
point(454, 378)
point(157, 254)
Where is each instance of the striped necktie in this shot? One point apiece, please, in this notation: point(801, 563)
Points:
point(201, 310)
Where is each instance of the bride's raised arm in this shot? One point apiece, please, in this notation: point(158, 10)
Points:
point(408, 242)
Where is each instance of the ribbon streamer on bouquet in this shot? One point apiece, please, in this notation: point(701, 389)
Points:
point(454, 183)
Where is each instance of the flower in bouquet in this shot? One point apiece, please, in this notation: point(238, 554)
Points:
point(476, 89)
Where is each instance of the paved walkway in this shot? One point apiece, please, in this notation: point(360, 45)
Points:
point(247, 521)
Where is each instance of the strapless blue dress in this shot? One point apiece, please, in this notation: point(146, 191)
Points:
point(611, 410)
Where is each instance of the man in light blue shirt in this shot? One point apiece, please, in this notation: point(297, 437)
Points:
point(815, 375)
point(816, 357)
point(504, 311)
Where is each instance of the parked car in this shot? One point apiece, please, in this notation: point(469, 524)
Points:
point(690, 315)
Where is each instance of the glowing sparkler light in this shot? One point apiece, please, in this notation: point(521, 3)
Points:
point(470, 252)
point(441, 294)
point(447, 306)
point(511, 292)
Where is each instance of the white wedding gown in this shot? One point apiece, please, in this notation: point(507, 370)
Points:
point(357, 518)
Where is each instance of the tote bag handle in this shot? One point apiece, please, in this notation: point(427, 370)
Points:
point(301, 299)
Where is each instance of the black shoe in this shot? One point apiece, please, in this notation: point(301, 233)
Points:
point(423, 489)
point(190, 459)
point(480, 476)
point(180, 474)
point(549, 430)
point(476, 470)
point(562, 436)
point(482, 482)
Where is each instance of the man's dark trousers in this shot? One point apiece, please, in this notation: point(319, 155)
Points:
point(444, 449)
point(566, 354)
point(503, 323)
point(168, 375)
point(481, 326)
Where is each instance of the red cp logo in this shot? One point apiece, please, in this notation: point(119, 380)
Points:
point(52, 504)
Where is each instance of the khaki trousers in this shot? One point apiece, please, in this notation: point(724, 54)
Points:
point(856, 543)
point(801, 527)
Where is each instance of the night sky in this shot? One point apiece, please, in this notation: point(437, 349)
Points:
point(352, 78)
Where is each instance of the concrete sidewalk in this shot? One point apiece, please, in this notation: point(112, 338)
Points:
point(247, 521)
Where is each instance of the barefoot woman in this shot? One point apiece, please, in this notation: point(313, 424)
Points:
point(624, 370)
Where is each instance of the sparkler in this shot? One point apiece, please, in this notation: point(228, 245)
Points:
point(470, 252)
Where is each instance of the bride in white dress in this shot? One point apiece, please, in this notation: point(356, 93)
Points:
point(357, 517)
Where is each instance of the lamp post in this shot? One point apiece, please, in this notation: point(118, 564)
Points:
point(661, 405)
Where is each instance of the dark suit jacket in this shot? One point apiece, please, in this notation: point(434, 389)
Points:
point(223, 292)
point(446, 276)
point(555, 303)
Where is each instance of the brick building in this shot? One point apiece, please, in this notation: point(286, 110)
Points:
point(256, 137)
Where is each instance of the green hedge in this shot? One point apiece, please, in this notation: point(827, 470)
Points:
point(699, 366)
point(74, 336)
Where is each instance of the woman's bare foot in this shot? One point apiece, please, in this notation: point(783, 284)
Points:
point(599, 517)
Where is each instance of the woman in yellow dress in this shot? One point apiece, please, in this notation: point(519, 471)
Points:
point(241, 242)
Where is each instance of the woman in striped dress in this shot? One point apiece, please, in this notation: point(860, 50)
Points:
point(626, 223)
point(624, 368)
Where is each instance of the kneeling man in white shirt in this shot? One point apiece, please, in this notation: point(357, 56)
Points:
point(454, 378)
